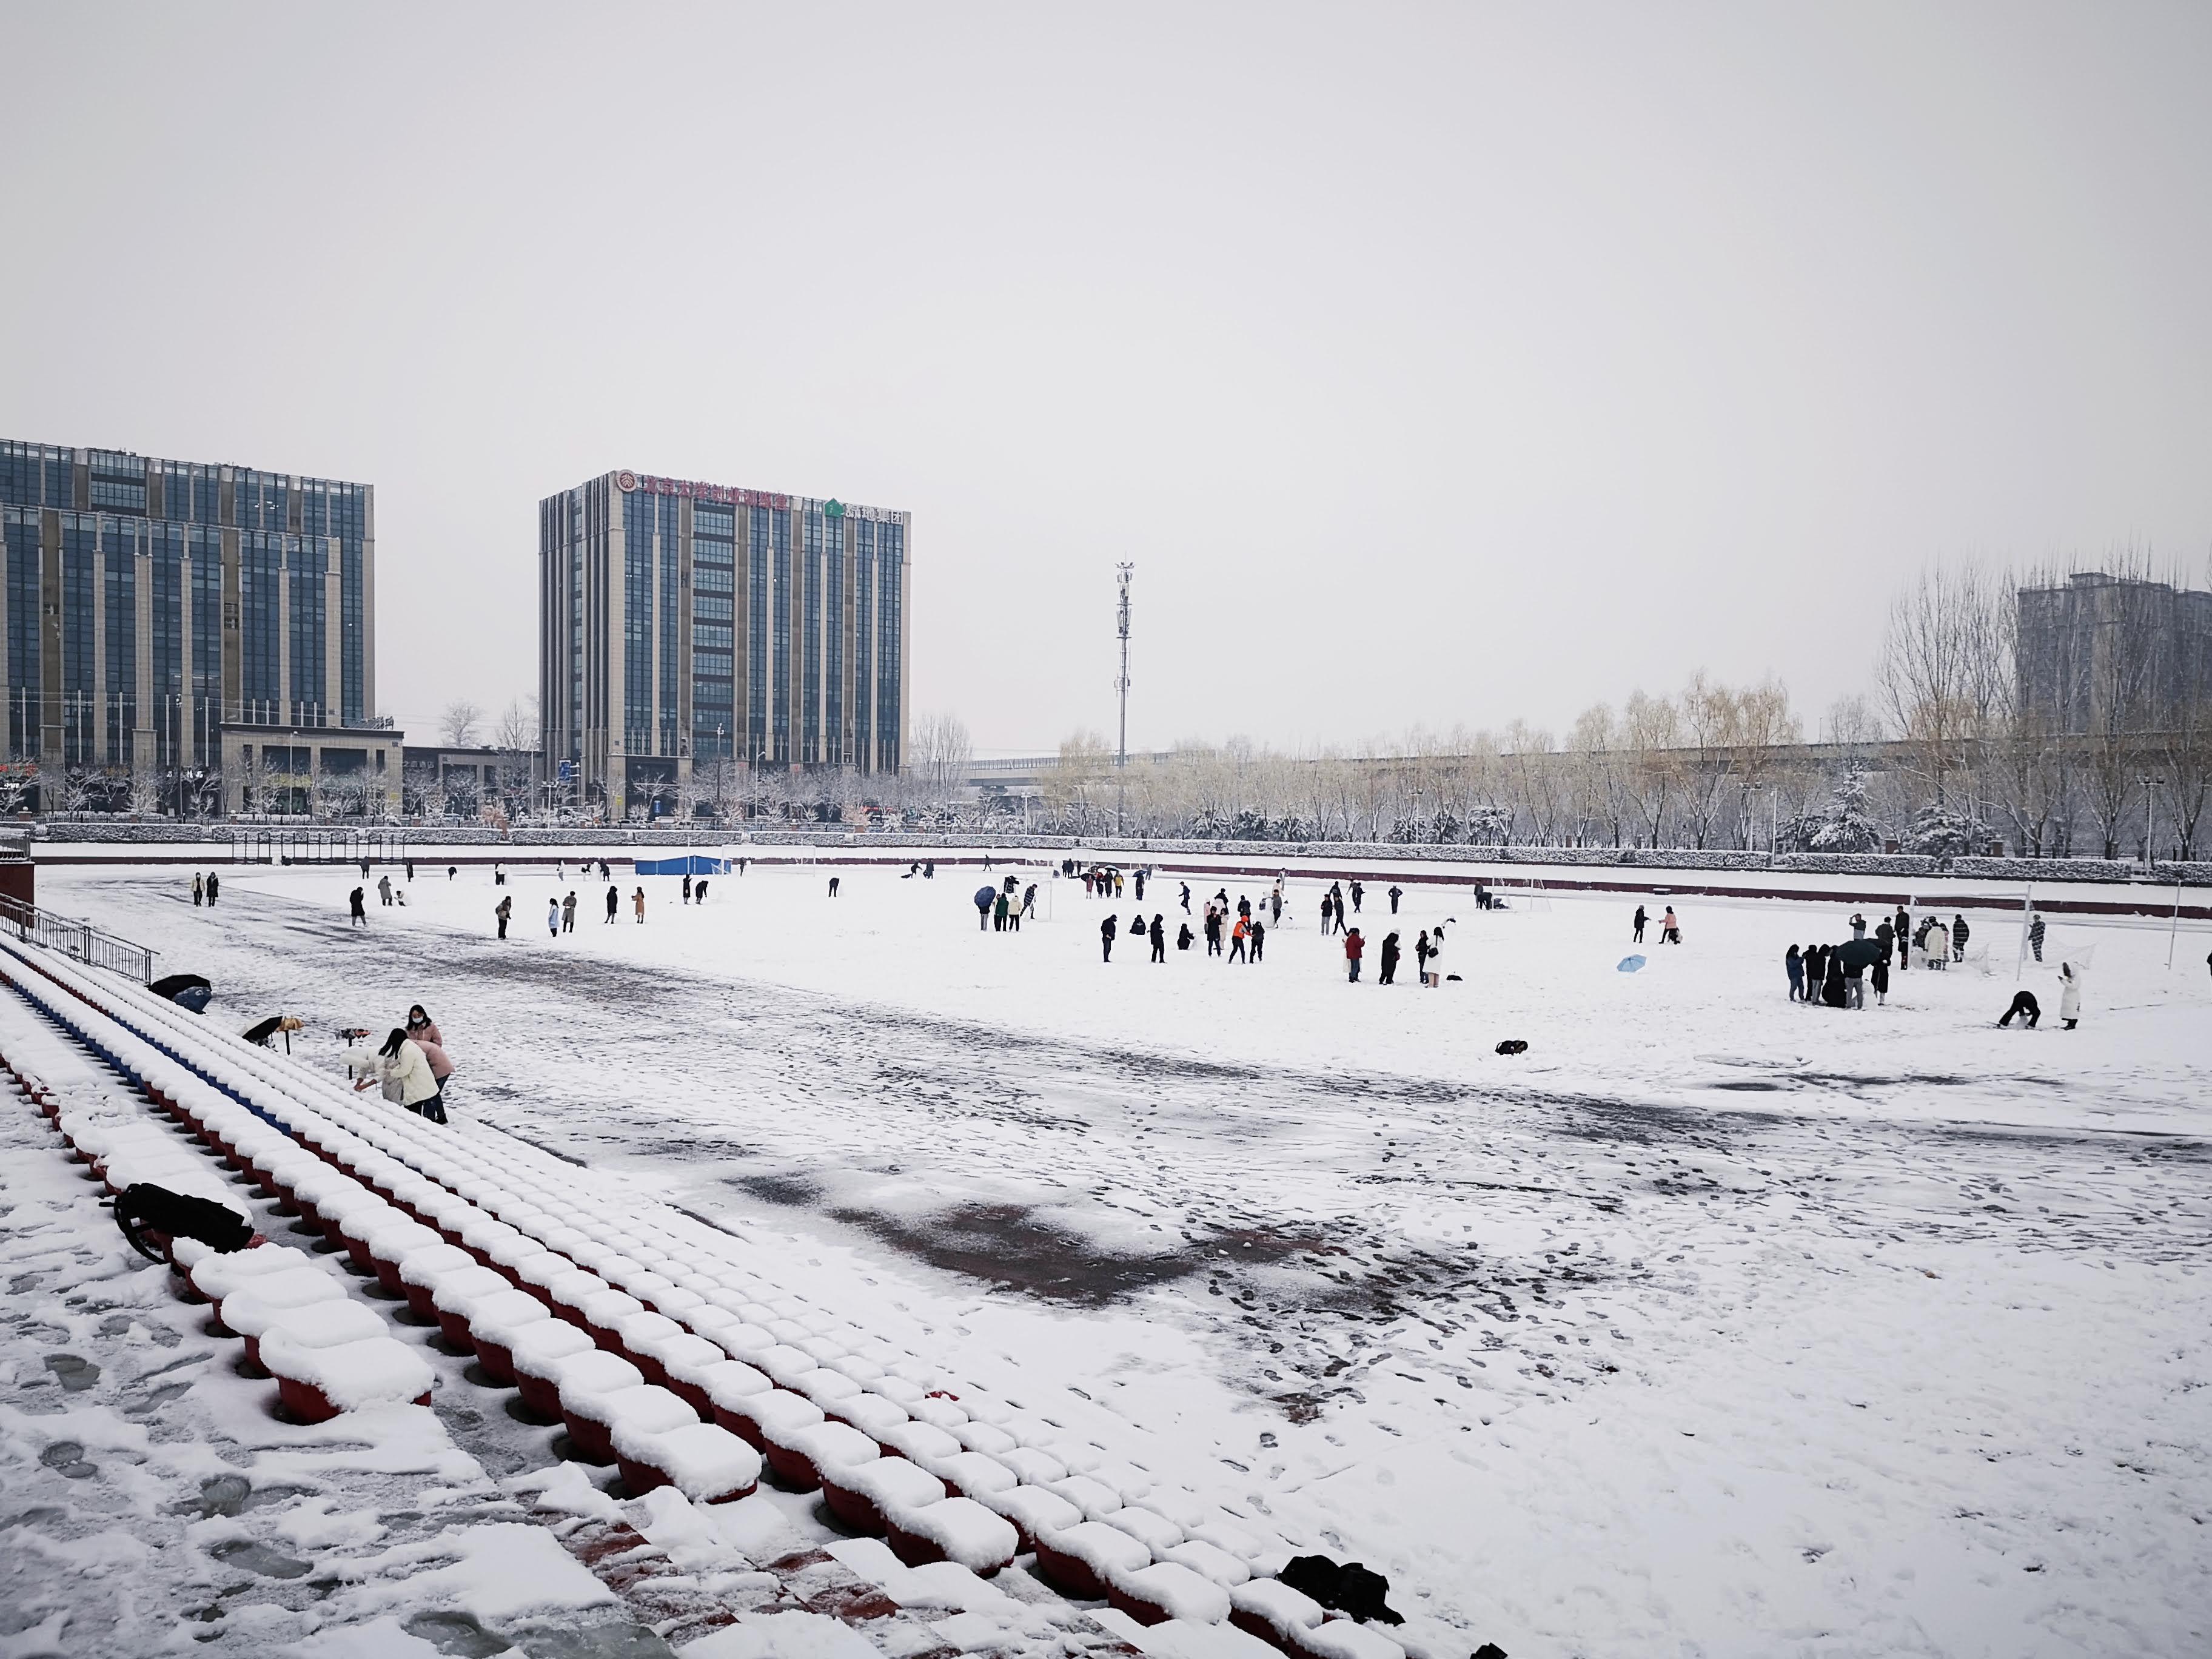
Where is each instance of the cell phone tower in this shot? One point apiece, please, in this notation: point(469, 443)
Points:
point(1121, 755)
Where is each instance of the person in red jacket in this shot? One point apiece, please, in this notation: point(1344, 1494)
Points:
point(1353, 946)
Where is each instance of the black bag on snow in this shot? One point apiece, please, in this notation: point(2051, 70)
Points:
point(145, 1209)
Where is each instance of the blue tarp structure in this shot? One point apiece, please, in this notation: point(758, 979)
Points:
point(691, 863)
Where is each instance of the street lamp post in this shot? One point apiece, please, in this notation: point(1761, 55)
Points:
point(2150, 796)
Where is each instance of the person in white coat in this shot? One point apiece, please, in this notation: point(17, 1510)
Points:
point(2069, 996)
point(403, 1068)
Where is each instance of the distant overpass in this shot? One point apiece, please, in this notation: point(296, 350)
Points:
point(1027, 772)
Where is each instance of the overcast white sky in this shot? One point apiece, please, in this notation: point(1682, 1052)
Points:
point(1432, 363)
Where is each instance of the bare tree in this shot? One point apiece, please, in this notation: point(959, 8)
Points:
point(460, 722)
point(2187, 754)
point(516, 728)
point(939, 756)
point(146, 793)
point(17, 779)
point(1946, 667)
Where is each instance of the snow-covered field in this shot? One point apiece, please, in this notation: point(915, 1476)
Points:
point(1711, 1325)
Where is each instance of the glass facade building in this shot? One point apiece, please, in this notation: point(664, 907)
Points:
point(685, 626)
point(146, 605)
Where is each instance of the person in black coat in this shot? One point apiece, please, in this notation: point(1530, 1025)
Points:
point(1639, 936)
point(1831, 988)
point(1958, 938)
point(1183, 938)
point(1816, 968)
point(1160, 939)
point(1389, 961)
point(1395, 895)
point(1106, 939)
point(1794, 965)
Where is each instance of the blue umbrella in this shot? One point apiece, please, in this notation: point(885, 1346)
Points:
point(985, 895)
point(1630, 964)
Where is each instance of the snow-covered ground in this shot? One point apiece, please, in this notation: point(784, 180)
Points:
point(1711, 1324)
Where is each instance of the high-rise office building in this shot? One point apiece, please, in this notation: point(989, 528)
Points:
point(685, 625)
point(162, 615)
point(2101, 654)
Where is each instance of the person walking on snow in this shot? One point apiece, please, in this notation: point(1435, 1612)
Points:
point(1358, 893)
point(2035, 935)
point(1387, 972)
point(1186, 898)
point(215, 886)
point(360, 911)
point(1106, 939)
point(613, 898)
point(1670, 930)
point(1637, 937)
point(1160, 939)
point(2070, 997)
point(1794, 965)
point(569, 912)
point(384, 890)
point(1355, 947)
point(1395, 895)
point(1958, 938)
point(1421, 956)
point(553, 918)
point(504, 908)
point(637, 906)
point(199, 891)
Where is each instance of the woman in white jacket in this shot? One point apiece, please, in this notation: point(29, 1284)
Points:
point(403, 1065)
point(2069, 996)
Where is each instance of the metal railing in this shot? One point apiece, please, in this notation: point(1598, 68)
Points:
point(76, 938)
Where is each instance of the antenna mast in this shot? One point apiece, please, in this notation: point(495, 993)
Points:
point(1121, 758)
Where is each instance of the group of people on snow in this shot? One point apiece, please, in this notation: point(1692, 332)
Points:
point(999, 908)
point(1837, 976)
